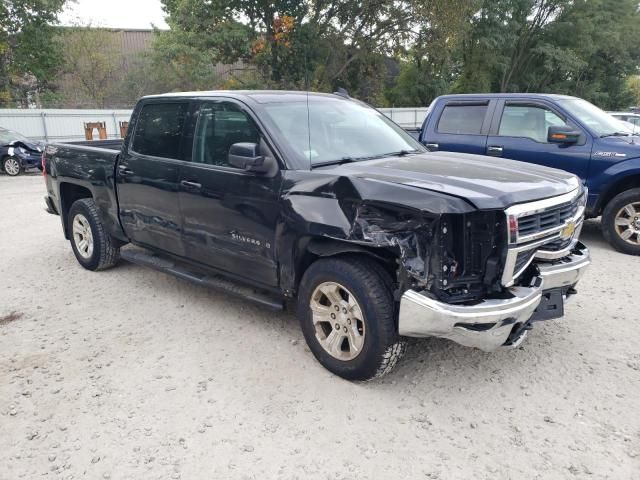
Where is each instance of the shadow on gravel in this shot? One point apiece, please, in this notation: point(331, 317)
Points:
point(592, 234)
point(12, 317)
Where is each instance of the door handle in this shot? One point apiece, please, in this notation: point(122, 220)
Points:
point(124, 170)
point(191, 185)
point(432, 146)
point(495, 150)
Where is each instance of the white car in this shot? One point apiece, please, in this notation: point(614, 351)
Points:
point(631, 120)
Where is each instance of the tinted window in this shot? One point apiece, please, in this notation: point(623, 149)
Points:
point(159, 130)
point(220, 125)
point(462, 119)
point(528, 121)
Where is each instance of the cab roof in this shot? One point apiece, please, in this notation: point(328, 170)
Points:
point(548, 96)
point(259, 96)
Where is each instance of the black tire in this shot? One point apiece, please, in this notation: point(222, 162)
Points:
point(609, 229)
point(11, 172)
point(382, 347)
point(105, 252)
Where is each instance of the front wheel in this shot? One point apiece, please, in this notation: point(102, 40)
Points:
point(621, 222)
point(347, 314)
point(12, 166)
point(93, 247)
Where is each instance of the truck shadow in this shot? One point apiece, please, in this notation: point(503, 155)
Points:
point(592, 234)
point(427, 360)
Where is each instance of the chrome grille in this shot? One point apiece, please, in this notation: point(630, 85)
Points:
point(545, 230)
point(548, 219)
point(558, 244)
point(523, 259)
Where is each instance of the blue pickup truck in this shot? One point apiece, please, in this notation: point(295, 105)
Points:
point(553, 130)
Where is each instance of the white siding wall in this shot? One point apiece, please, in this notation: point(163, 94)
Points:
point(405, 117)
point(61, 125)
point(68, 125)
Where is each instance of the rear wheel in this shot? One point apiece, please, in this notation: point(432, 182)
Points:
point(347, 315)
point(93, 247)
point(621, 222)
point(12, 166)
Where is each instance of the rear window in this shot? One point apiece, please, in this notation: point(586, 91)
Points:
point(159, 130)
point(462, 119)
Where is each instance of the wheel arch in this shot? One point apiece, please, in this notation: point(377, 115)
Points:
point(69, 193)
point(616, 187)
point(311, 249)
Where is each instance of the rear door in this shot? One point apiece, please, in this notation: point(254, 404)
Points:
point(230, 215)
point(519, 132)
point(458, 126)
point(148, 176)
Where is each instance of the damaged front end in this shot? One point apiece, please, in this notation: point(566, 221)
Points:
point(449, 271)
point(503, 298)
point(456, 258)
point(452, 264)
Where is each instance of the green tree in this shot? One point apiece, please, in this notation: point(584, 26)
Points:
point(92, 59)
point(589, 52)
point(503, 43)
point(633, 87)
point(578, 47)
point(321, 44)
point(429, 66)
point(29, 55)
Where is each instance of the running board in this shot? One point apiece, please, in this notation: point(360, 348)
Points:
point(214, 281)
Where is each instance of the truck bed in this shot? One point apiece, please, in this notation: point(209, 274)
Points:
point(114, 144)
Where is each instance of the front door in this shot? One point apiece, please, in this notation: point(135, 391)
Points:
point(520, 133)
point(148, 175)
point(229, 215)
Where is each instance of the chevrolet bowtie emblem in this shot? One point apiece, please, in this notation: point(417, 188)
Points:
point(567, 232)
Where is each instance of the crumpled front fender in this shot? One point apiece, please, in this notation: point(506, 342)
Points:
point(374, 215)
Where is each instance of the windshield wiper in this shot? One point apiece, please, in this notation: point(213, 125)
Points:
point(336, 162)
point(616, 134)
point(342, 160)
point(401, 153)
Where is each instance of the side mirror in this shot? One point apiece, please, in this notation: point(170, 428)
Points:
point(245, 156)
point(253, 157)
point(562, 134)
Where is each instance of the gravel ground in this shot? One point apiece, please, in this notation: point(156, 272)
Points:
point(132, 374)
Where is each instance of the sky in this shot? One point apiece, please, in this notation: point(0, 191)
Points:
point(114, 13)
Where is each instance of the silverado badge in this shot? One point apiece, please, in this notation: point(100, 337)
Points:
point(567, 232)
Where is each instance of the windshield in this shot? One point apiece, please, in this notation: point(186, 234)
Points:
point(8, 136)
point(591, 116)
point(340, 130)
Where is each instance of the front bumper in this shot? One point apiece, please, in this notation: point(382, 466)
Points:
point(488, 324)
point(30, 161)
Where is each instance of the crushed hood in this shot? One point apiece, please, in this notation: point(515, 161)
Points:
point(486, 182)
point(29, 145)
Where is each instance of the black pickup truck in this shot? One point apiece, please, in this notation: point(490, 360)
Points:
point(277, 196)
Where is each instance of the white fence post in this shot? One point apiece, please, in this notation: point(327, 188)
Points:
point(43, 115)
point(115, 125)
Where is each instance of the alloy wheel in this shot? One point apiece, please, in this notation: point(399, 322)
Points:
point(82, 236)
point(338, 321)
point(12, 166)
point(627, 222)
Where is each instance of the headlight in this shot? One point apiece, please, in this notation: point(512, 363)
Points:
point(582, 201)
